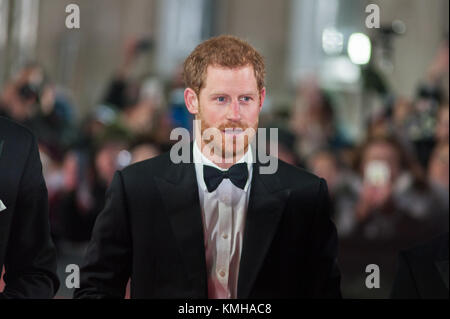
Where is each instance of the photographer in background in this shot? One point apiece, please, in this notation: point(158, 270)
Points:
point(393, 207)
point(33, 101)
point(392, 185)
point(430, 114)
point(123, 90)
point(86, 175)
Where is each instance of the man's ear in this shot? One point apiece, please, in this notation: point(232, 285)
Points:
point(262, 96)
point(191, 100)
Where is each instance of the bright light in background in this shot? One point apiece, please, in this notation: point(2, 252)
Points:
point(332, 41)
point(359, 48)
point(339, 70)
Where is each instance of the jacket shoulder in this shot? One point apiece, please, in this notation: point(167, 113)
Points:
point(155, 166)
point(292, 176)
point(13, 130)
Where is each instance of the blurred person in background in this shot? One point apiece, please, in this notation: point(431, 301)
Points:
point(431, 97)
point(438, 166)
point(391, 184)
point(140, 118)
point(324, 164)
point(71, 203)
point(139, 102)
point(418, 123)
point(86, 177)
point(437, 76)
point(313, 120)
point(438, 179)
point(177, 111)
point(20, 95)
point(392, 208)
point(342, 182)
point(95, 125)
point(441, 134)
point(123, 89)
point(143, 149)
point(393, 120)
point(285, 143)
point(111, 156)
point(80, 184)
point(32, 100)
point(401, 110)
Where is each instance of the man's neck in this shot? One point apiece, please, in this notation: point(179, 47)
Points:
point(220, 161)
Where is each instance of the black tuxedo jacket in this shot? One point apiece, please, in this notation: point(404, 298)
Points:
point(26, 249)
point(151, 230)
point(423, 271)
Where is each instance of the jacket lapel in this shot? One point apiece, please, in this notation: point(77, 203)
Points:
point(179, 192)
point(266, 204)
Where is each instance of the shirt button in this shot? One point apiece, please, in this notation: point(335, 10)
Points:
point(225, 236)
point(222, 273)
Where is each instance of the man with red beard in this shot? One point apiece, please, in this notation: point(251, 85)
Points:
point(216, 227)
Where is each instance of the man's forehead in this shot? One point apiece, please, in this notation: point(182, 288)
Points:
point(225, 76)
point(219, 70)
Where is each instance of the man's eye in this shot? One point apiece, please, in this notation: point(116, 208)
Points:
point(221, 99)
point(246, 98)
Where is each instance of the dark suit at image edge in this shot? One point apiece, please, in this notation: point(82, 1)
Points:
point(26, 249)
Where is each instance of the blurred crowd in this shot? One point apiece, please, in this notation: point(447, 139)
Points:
point(389, 188)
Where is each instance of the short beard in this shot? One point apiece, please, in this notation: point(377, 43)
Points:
point(223, 149)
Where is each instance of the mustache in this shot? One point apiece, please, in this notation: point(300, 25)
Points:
point(225, 126)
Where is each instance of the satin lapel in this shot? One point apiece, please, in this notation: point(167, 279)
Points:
point(266, 205)
point(179, 192)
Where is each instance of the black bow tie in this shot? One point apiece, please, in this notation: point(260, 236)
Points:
point(237, 174)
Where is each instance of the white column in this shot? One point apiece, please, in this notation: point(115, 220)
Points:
point(4, 8)
point(22, 45)
point(308, 19)
point(179, 31)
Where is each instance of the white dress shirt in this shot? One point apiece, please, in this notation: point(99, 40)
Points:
point(223, 214)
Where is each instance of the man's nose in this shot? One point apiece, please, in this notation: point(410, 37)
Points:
point(234, 111)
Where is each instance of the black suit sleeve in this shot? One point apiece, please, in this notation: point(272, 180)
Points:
point(106, 270)
point(404, 286)
point(30, 262)
point(324, 272)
